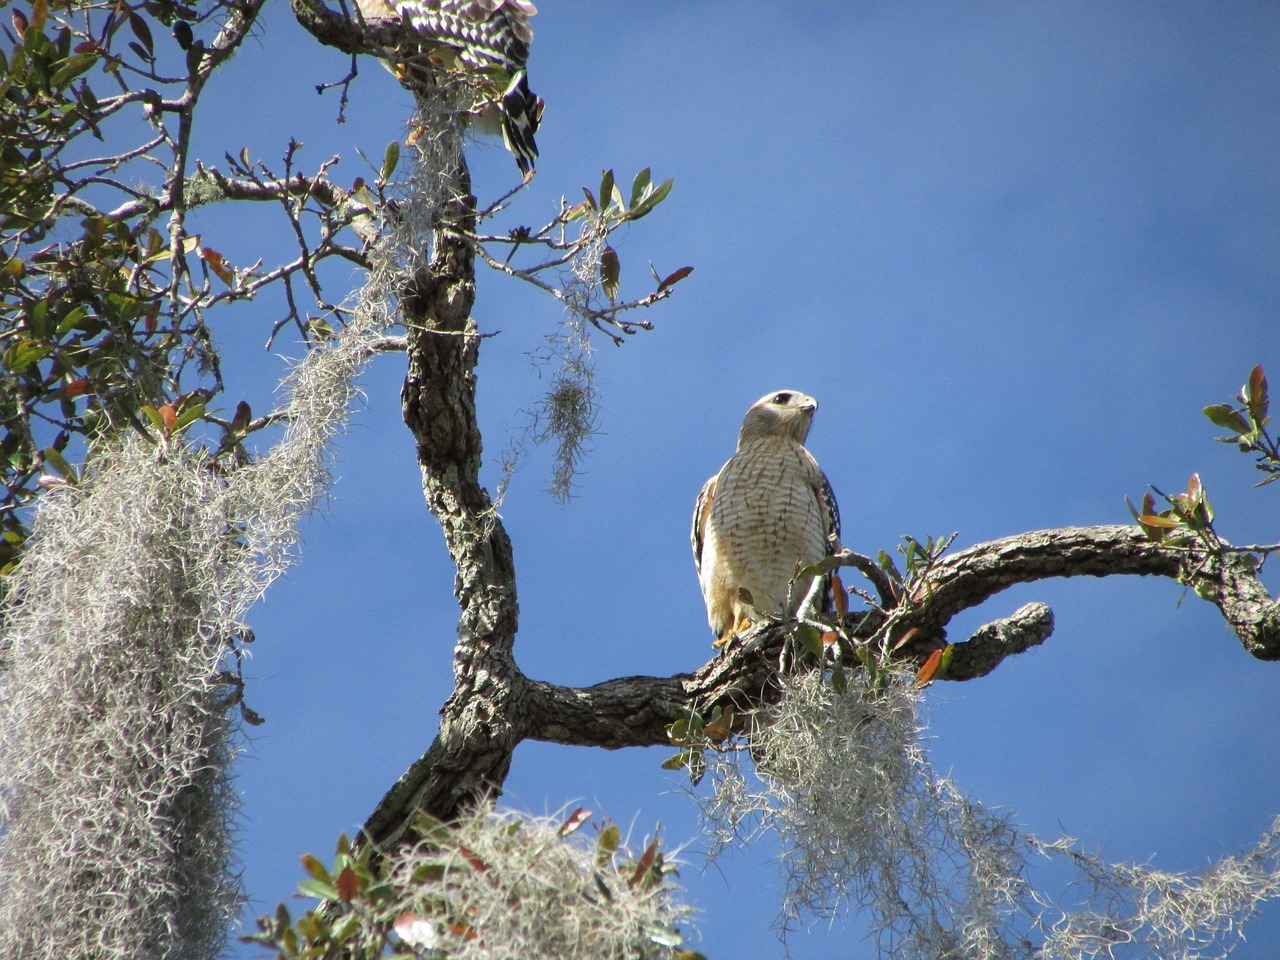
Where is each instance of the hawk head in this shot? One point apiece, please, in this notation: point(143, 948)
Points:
point(783, 413)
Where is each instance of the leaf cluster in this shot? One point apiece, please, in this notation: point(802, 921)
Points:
point(85, 337)
point(597, 217)
point(1246, 420)
point(1187, 515)
point(696, 734)
point(103, 311)
point(432, 900)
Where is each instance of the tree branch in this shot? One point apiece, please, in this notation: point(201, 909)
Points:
point(479, 729)
point(636, 711)
point(1221, 575)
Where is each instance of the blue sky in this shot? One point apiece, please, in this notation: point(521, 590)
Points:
point(1012, 248)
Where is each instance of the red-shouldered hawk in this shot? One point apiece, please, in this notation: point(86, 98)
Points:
point(489, 37)
point(767, 513)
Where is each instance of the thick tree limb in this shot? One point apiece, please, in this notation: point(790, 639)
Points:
point(478, 730)
point(1030, 626)
point(1222, 575)
point(635, 711)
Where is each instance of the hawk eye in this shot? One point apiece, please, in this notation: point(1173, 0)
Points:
point(782, 399)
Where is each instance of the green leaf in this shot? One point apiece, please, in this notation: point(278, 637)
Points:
point(24, 353)
point(57, 462)
point(321, 891)
point(639, 185)
point(71, 320)
point(606, 187)
point(809, 638)
point(38, 319)
point(818, 567)
point(652, 198)
point(430, 872)
point(70, 69)
point(839, 683)
point(154, 416)
point(1226, 416)
point(885, 562)
point(315, 868)
point(390, 160)
point(677, 761)
point(608, 843)
point(1132, 509)
point(188, 416)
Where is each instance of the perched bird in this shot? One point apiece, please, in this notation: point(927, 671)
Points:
point(488, 40)
point(769, 512)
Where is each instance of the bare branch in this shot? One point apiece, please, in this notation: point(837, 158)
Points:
point(1227, 579)
point(1030, 626)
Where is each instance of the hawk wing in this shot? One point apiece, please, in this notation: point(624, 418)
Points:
point(827, 500)
point(701, 511)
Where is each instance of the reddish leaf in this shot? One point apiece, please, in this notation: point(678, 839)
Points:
point(347, 884)
point(218, 264)
point(87, 47)
point(928, 669)
point(76, 387)
point(169, 416)
point(463, 930)
point(576, 820)
point(716, 732)
point(830, 638)
point(1195, 490)
point(839, 595)
point(673, 278)
point(645, 864)
point(143, 32)
point(907, 637)
point(20, 23)
point(1257, 393)
point(472, 858)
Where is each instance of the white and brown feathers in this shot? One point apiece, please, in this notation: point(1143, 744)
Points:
point(489, 37)
point(767, 513)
